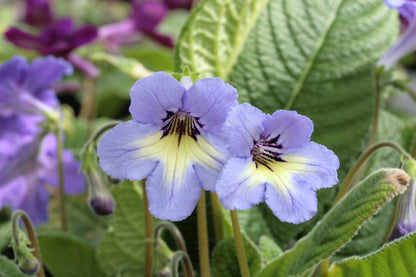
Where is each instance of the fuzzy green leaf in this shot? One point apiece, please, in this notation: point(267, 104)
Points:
point(8, 268)
point(339, 224)
point(269, 248)
point(394, 259)
point(67, 256)
point(214, 35)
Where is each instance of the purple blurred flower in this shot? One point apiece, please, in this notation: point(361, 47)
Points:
point(407, 42)
point(178, 4)
point(272, 160)
point(144, 19)
point(58, 38)
point(37, 13)
point(174, 141)
point(27, 155)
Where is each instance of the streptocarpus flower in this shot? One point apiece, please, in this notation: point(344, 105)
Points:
point(272, 160)
point(407, 41)
point(173, 140)
point(37, 13)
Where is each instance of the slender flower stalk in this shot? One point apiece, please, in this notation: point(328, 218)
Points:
point(203, 237)
point(180, 256)
point(16, 216)
point(216, 210)
point(148, 222)
point(61, 179)
point(239, 245)
point(345, 186)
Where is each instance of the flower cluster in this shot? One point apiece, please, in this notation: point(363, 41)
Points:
point(186, 137)
point(28, 152)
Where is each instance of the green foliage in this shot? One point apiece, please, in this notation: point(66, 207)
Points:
point(269, 249)
point(8, 268)
point(5, 234)
point(225, 261)
point(339, 224)
point(394, 259)
point(67, 256)
point(121, 252)
point(215, 34)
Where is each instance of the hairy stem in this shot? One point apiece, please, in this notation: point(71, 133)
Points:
point(239, 245)
point(62, 208)
point(148, 234)
point(17, 215)
point(216, 210)
point(203, 237)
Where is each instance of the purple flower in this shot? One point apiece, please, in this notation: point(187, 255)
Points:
point(145, 18)
point(407, 42)
point(59, 38)
point(273, 160)
point(27, 156)
point(174, 141)
point(37, 13)
point(178, 4)
point(25, 177)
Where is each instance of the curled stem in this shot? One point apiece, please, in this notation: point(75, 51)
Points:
point(241, 254)
point(216, 210)
point(203, 237)
point(180, 243)
point(62, 208)
point(98, 133)
point(180, 257)
point(148, 234)
point(16, 216)
point(350, 176)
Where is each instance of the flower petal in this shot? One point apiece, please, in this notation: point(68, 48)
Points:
point(23, 39)
point(314, 165)
point(43, 72)
point(239, 187)
point(152, 97)
point(36, 201)
point(209, 100)
point(13, 71)
point(291, 203)
point(242, 128)
point(293, 129)
point(170, 199)
point(120, 155)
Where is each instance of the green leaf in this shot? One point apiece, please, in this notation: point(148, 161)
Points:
point(339, 224)
point(225, 261)
point(67, 256)
point(214, 35)
point(121, 252)
point(269, 248)
point(394, 259)
point(317, 57)
point(8, 268)
point(5, 234)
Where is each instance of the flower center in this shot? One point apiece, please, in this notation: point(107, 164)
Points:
point(181, 124)
point(266, 151)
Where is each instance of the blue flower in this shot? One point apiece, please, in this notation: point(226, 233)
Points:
point(28, 157)
point(272, 160)
point(407, 41)
point(174, 141)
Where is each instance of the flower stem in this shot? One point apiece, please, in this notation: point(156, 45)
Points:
point(148, 234)
point(216, 210)
point(62, 208)
point(19, 214)
point(347, 181)
point(203, 237)
point(241, 254)
point(180, 256)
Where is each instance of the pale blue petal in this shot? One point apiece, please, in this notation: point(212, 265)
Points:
point(12, 71)
point(239, 187)
point(119, 154)
point(242, 128)
point(210, 100)
point(291, 204)
point(405, 45)
point(313, 165)
point(153, 96)
point(169, 198)
point(394, 3)
point(293, 129)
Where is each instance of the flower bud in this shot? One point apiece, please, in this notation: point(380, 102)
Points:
point(100, 199)
point(29, 266)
